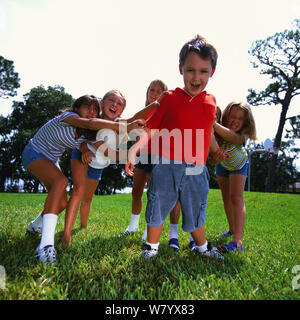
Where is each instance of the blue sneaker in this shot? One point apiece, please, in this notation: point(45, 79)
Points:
point(174, 244)
point(225, 234)
point(231, 247)
point(192, 244)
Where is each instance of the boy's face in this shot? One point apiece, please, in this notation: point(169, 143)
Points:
point(196, 73)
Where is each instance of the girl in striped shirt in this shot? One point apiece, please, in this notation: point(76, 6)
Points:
point(237, 127)
point(40, 157)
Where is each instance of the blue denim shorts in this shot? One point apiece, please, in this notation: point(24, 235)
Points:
point(92, 173)
point(169, 183)
point(29, 155)
point(222, 172)
point(144, 162)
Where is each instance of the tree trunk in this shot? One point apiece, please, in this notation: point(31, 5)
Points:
point(271, 171)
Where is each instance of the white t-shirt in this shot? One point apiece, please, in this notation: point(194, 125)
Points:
point(112, 140)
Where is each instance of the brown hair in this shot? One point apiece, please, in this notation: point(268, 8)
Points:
point(249, 123)
point(200, 46)
point(86, 99)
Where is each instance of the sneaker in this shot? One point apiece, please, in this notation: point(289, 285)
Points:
point(149, 252)
point(231, 247)
point(127, 233)
point(174, 244)
point(46, 255)
point(34, 229)
point(192, 244)
point(210, 252)
point(225, 234)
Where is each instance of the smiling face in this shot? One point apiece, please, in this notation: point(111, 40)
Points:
point(154, 92)
point(88, 111)
point(236, 119)
point(112, 106)
point(196, 73)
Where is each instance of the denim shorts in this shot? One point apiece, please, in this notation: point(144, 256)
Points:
point(144, 162)
point(222, 172)
point(92, 173)
point(169, 183)
point(29, 155)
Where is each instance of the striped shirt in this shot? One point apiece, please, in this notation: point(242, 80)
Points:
point(237, 155)
point(55, 137)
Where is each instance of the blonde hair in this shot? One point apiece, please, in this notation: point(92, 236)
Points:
point(249, 123)
point(155, 82)
point(117, 92)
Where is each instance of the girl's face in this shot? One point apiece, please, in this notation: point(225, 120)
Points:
point(112, 106)
point(154, 92)
point(236, 119)
point(88, 111)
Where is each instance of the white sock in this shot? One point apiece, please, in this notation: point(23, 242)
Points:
point(48, 230)
point(202, 248)
point(38, 222)
point(173, 231)
point(153, 245)
point(134, 222)
point(144, 237)
point(191, 238)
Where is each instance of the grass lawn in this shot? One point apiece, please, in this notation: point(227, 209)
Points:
point(99, 265)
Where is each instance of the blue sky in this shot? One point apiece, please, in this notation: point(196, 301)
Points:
point(95, 46)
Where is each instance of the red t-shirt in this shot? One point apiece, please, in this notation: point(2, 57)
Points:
point(182, 126)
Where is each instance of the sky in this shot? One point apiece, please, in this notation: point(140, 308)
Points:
point(93, 46)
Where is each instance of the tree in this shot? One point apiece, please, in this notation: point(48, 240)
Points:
point(9, 79)
point(277, 57)
point(39, 106)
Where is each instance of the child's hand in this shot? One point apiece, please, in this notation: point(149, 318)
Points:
point(137, 124)
point(219, 155)
point(86, 157)
point(129, 168)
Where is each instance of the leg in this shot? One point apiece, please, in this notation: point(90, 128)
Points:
point(79, 173)
point(55, 182)
point(174, 217)
point(237, 184)
point(90, 188)
point(140, 178)
point(224, 186)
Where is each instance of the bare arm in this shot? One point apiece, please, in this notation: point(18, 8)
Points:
point(97, 124)
point(229, 135)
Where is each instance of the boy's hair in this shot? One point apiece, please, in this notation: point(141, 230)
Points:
point(249, 124)
point(163, 86)
point(200, 46)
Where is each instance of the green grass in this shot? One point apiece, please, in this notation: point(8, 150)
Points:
point(99, 265)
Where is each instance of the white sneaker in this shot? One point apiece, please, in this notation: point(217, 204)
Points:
point(210, 252)
point(46, 255)
point(34, 229)
point(127, 233)
point(149, 252)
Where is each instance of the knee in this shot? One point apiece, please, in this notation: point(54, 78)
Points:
point(78, 190)
point(236, 200)
point(137, 193)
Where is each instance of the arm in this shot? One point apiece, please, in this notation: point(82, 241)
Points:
point(86, 153)
point(149, 110)
point(228, 135)
point(217, 153)
point(97, 124)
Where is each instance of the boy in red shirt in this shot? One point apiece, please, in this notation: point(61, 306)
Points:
point(181, 131)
